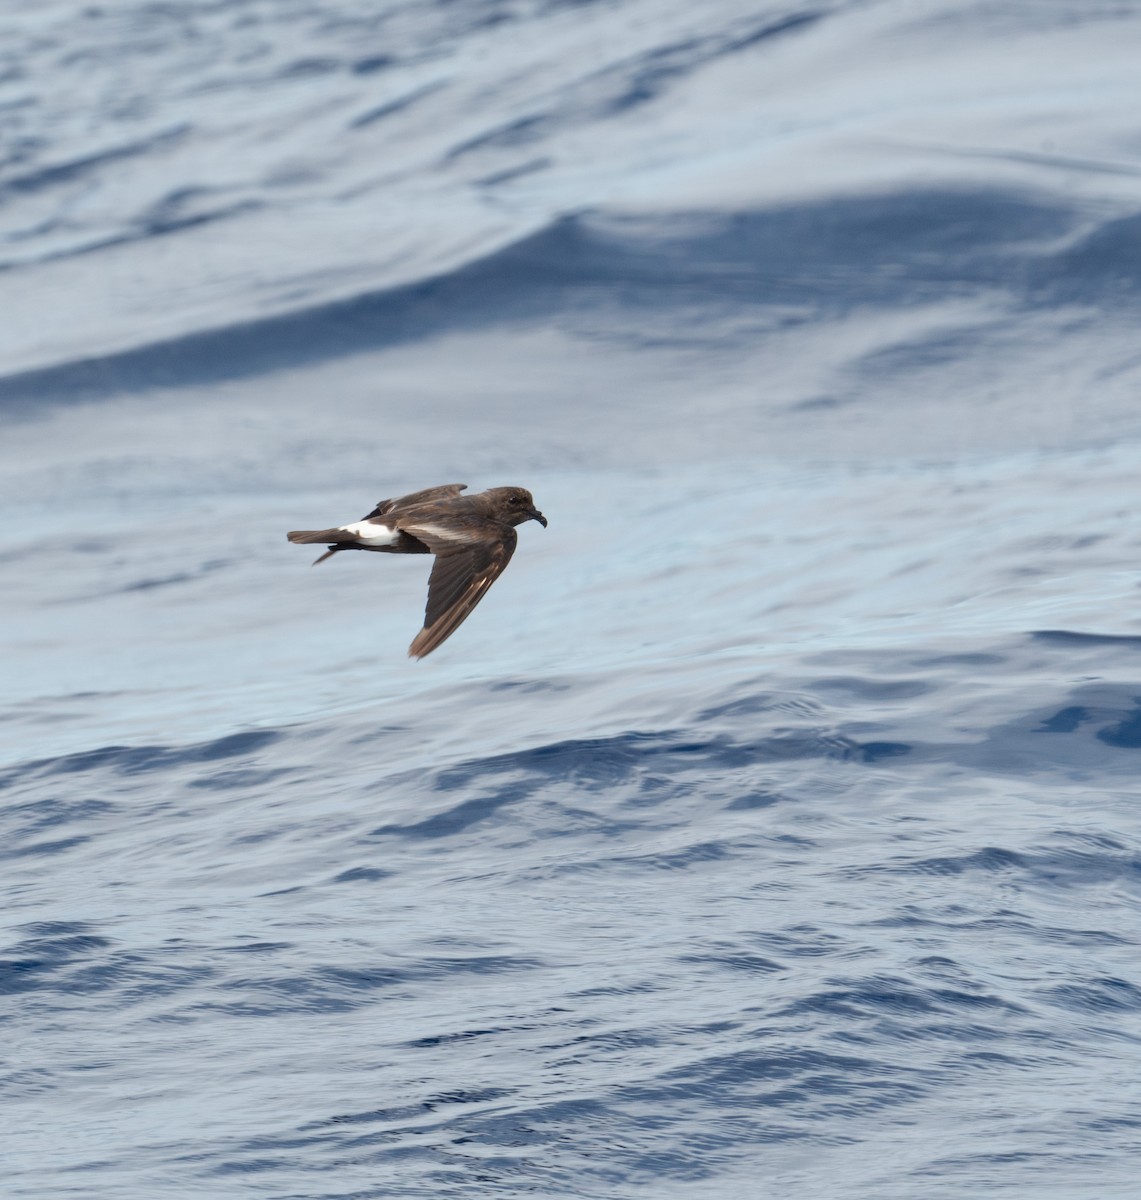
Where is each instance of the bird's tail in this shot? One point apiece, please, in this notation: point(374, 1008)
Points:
point(336, 539)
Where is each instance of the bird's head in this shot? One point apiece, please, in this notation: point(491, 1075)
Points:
point(516, 505)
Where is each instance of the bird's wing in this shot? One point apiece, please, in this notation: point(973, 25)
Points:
point(461, 575)
point(444, 491)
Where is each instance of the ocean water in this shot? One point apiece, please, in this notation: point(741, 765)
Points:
point(773, 827)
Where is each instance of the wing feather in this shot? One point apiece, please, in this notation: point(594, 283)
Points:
point(460, 578)
point(443, 492)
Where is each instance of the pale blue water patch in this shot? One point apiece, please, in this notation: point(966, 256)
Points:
point(721, 575)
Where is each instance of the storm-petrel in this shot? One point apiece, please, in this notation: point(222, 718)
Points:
point(472, 537)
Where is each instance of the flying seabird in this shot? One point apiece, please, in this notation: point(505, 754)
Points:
point(472, 537)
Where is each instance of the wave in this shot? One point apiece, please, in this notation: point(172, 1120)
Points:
point(698, 274)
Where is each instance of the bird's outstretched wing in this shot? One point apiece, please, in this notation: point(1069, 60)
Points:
point(461, 575)
point(443, 492)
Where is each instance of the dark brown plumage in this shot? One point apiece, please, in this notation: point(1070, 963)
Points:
point(472, 537)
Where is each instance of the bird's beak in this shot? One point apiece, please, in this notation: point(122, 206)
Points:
point(536, 515)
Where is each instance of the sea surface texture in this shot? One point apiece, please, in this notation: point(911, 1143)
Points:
point(773, 828)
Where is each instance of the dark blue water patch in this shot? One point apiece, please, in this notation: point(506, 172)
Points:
point(866, 998)
point(799, 941)
point(647, 77)
point(735, 960)
point(305, 67)
point(44, 849)
point(871, 752)
point(968, 661)
point(597, 762)
point(132, 760)
point(816, 253)
point(329, 989)
point(392, 107)
point(857, 688)
point(51, 825)
point(519, 132)
point(757, 799)
point(602, 763)
point(1099, 268)
point(1004, 922)
point(781, 1078)
point(1096, 996)
point(146, 227)
point(256, 947)
point(649, 768)
point(150, 585)
point(410, 1112)
point(57, 959)
point(607, 1138)
point(530, 167)
point(928, 351)
point(431, 1157)
point(35, 1083)
point(585, 274)
point(363, 875)
point(1126, 734)
point(50, 813)
point(240, 781)
point(526, 1126)
point(1114, 727)
point(1069, 866)
point(676, 860)
point(455, 820)
point(1072, 637)
point(642, 78)
point(372, 64)
point(744, 706)
point(184, 208)
point(1049, 867)
point(1093, 728)
point(466, 1035)
point(608, 1043)
point(768, 29)
point(990, 860)
point(76, 168)
point(896, 997)
point(528, 686)
point(1066, 720)
point(1104, 1124)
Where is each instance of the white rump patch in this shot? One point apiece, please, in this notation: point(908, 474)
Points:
point(368, 531)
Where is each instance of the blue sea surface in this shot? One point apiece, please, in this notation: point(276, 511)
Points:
point(773, 828)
